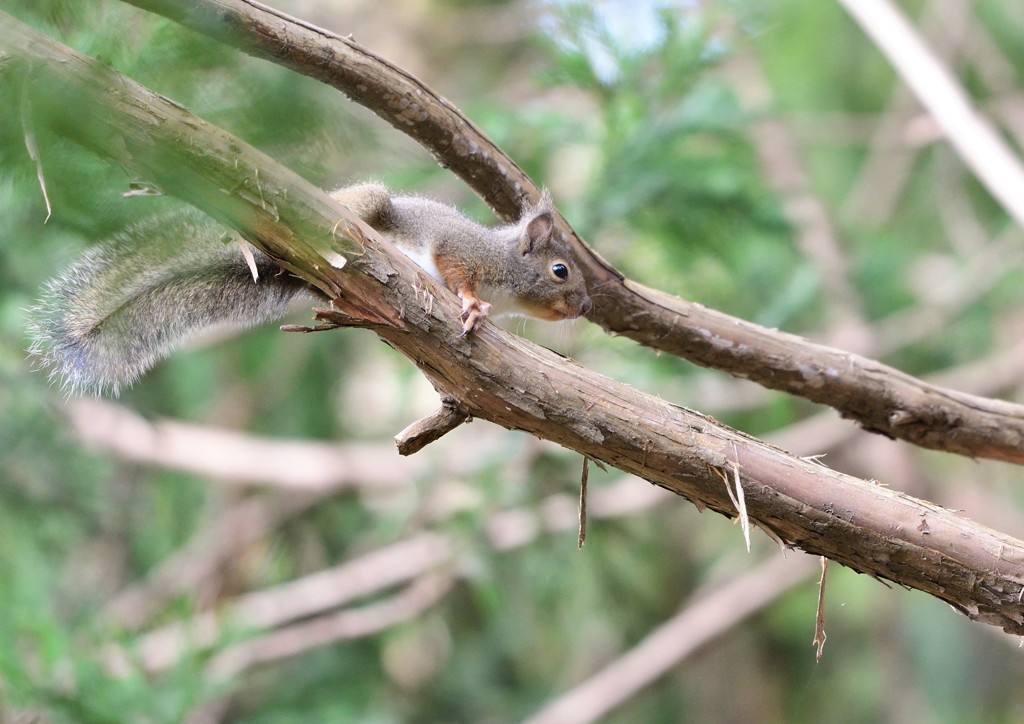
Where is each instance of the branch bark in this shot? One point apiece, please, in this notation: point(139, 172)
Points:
point(880, 398)
point(508, 380)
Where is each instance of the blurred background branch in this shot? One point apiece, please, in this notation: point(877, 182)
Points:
point(982, 149)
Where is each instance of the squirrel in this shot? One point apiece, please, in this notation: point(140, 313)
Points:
point(128, 302)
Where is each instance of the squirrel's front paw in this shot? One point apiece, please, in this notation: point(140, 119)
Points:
point(474, 311)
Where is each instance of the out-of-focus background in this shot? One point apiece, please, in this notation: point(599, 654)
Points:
point(760, 158)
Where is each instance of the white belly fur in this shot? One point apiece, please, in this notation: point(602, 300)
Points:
point(423, 258)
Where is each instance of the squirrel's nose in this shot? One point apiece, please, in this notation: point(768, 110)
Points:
point(586, 306)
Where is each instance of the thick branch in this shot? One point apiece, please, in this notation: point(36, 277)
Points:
point(507, 380)
point(880, 398)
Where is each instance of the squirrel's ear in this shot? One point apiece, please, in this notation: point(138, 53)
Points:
point(538, 233)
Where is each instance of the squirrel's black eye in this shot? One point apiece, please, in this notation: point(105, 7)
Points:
point(560, 270)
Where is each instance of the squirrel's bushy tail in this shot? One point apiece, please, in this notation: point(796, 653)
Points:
point(131, 300)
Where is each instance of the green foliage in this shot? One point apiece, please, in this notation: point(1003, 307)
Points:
point(674, 195)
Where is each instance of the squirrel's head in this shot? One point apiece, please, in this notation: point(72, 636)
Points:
point(552, 287)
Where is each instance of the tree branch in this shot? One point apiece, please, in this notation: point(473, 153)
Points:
point(234, 458)
point(508, 380)
point(374, 573)
point(979, 144)
point(880, 398)
point(322, 630)
point(699, 622)
point(434, 426)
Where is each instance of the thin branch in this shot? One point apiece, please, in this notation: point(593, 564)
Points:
point(279, 606)
point(307, 471)
point(666, 646)
point(865, 526)
point(229, 456)
point(237, 528)
point(976, 276)
point(983, 150)
point(880, 398)
point(433, 427)
point(331, 628)
point(372, 573)
point(784, 167)
point(884, 173)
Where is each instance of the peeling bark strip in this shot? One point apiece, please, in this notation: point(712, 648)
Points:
point(508, 380)
point(879, 398)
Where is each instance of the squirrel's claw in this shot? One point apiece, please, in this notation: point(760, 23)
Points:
point(474, 311)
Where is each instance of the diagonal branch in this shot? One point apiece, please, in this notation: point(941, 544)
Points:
point(698, 623)
point(981, 147)
point(374, 573)
point(338, 626)
point(880, 398)
point(505, 379)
